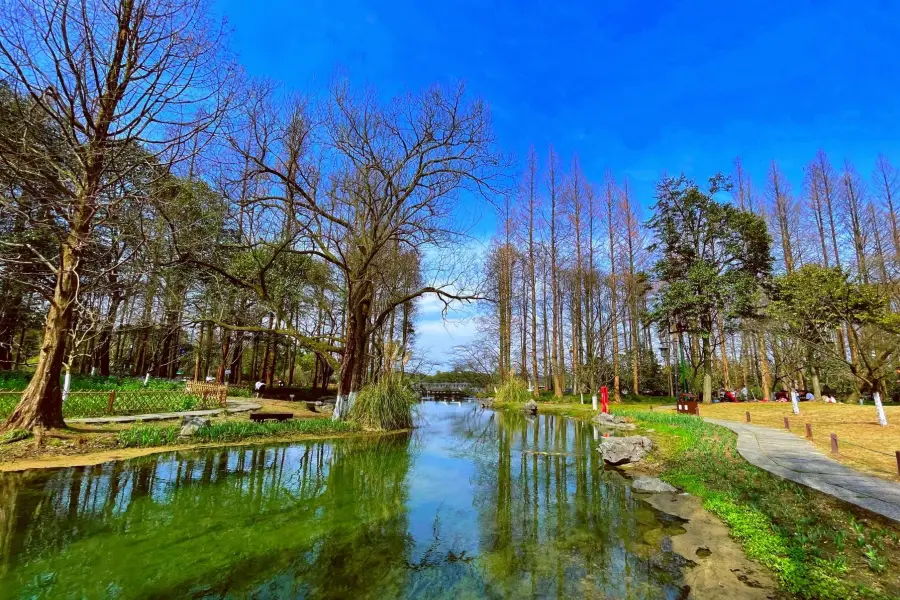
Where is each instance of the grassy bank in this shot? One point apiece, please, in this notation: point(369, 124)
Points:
point(79, 443)
point(817, 546)
point(145, 435)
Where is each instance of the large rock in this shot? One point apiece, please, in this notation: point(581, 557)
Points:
point(613, 422)
point(651, 484)
point(191, 425)
point(606, 418)
point(622, 450)
point(530, 407)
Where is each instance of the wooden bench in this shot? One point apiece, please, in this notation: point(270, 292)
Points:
point(270, 416)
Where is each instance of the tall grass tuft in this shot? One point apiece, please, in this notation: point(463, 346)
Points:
point(386, 405)
point(513, 390)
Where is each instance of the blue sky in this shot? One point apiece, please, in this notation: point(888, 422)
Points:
point(639, 88)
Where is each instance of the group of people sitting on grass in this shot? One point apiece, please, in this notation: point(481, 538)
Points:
point(726, 395)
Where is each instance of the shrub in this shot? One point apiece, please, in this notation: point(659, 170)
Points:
point(387, 405)
point(513, 390)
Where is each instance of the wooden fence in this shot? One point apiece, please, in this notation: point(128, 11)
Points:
point(208, 392)
point(100, 403)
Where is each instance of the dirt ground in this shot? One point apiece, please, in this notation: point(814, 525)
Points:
point(93, 444)
point(862, 443)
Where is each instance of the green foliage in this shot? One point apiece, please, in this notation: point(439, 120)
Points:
point(89, 404)
point(146, 436)
point(143, 436)
point(814, 300)
point(473, 378)
point(810, 303)
point(799, 537)
point(513, 390)
point(714, 259)
point(386, 405)
point(15, 435)
point(18, 381)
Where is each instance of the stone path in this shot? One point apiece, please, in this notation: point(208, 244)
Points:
point(231, 406)
point(791, 457)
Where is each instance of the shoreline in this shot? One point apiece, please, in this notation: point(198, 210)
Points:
point(116, 454)
point(796, 533)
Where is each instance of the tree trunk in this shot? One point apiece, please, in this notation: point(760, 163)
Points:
point(223, 362)
point(103, 347)
point(726, 378)
point(613, 308)
point(41, 403)
point(556, 356)
point(10, 314)
point(765, 380)
point(198, 352)
point(353, 361)
point(707, 370)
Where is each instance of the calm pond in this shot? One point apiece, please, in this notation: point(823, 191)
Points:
point(473, 504)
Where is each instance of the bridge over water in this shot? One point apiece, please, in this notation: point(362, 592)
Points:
point(438, 389)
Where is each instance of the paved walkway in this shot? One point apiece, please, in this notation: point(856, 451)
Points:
point(793, 458)
point(231, 406)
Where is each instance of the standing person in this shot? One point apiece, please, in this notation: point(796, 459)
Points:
point(744, 393)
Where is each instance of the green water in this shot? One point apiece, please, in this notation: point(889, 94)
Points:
point(462, 508)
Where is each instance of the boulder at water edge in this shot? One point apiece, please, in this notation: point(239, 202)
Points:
point(607, 420)
point(530, 407)
point(622, 450)
point(651, 484)
point(191, 424)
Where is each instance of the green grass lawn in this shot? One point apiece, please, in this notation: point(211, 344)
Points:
point(148, 435)
point(817, 547)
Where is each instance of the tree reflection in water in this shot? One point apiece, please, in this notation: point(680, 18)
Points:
point(464, 507)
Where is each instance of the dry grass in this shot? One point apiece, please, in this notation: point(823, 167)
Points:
point(854, 425)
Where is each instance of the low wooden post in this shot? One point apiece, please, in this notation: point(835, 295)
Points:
point(787, 424)
point(898, 461)
point(809, 430)
point(112, 399)
point(748, 416)
point(834, 443)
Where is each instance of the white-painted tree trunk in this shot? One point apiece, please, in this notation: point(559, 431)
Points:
point(882, 418)
point(67, 383)
point(594, 401)
point(343, 405)
point(146, 378)
point(794, 402)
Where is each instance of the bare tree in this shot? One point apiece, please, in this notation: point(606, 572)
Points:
point(531, 208)
point(887, 182)
point(557, 357)
point(121, 84)
point(610, 203)
point(357, 180)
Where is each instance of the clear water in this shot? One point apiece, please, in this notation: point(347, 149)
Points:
point(473, 504)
